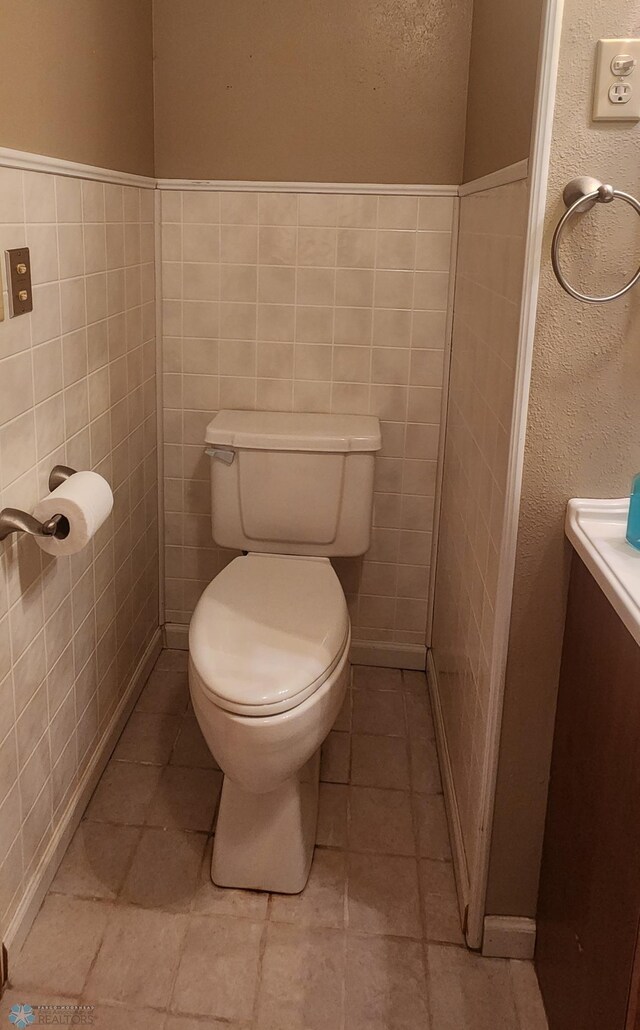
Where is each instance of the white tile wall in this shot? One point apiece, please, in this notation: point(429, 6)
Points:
point(483, 361)
point(331, 303)
point(77, 386)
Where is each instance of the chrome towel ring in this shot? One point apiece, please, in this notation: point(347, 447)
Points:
point(579, 196)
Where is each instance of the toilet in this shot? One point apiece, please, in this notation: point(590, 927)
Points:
point(269, 639)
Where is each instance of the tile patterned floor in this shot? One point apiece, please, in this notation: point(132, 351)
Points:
point(133, 925)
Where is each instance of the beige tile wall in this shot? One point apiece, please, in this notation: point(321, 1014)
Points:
point(77, 386)
point(483, 360)
point(330, 303)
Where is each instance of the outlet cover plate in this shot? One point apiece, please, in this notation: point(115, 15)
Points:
point(611, 104)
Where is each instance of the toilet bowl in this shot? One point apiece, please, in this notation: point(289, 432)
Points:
point(269, 638)
point(268, 671)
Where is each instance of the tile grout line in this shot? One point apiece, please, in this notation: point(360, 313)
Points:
point(262, 947)
point(416, 834)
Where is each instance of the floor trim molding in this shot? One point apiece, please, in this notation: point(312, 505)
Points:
point(29, 906)
point(509, 937)
point(175, 636)
point(449, 788)
point(363, 652)
point(388, 656)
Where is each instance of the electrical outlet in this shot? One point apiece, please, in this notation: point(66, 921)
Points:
point(617, 82)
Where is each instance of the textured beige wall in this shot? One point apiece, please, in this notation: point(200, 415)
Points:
point(583, 437)
point(316, 91)
point(77, 81)
point(502, 83)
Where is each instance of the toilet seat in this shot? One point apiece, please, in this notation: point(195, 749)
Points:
point(268, 631)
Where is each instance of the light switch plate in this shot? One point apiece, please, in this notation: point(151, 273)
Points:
point(18, 262)
point(617, 81)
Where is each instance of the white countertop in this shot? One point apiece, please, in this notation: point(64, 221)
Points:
point(597, 529)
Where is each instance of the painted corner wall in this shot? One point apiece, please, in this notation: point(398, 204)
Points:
point(583, 437)
point(502, 84)
point(321, 91)
point(77, 81)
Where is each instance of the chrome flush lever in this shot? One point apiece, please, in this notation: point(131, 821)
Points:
point(221, 454)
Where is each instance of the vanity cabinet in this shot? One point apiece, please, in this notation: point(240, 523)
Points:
point(589, 904)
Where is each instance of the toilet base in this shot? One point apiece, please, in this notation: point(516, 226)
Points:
point(265, 841)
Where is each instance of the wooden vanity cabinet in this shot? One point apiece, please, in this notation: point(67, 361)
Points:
point(589, 903)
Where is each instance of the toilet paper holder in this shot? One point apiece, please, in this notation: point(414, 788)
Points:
point(13, 520)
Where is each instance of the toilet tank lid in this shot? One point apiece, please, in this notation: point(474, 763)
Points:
point(294, 431)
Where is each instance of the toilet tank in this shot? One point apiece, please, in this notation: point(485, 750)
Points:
point(292, 483)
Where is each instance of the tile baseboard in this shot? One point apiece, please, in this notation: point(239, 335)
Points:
point(385, 656)
point(175, 636)
point(33, 897)
point(388, 656)
point(450, 796)
point(509, 937)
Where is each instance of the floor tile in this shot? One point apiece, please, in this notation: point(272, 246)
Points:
point(170, 925)
point(332, 815)
point(414, 682)
point(61, 945)
point(96, 861)
point(379, 762)
point(302, 979)
point(16, 996)
point(148, 737)
point(219, 968)
point(385, 985)
point(335, 758)
point(419, 718)
point(166, 692)
point(120, 1017)
point(383, 895)
point(380, 821)
point(373, 678)
point(440, 902)
point(185, 799)
point(433, 834)
point(425, 770)
point(172, 659)
point(138, 957)
point(343, 721)
point(212, 900)
point(527, 996)
point(165, 870)
point(469, 991)
point(378, 711)
point(201, 1023)
point(322, 901)
point(124, 793)
point(191, 749)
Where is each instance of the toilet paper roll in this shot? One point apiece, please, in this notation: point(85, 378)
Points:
point(85, 500)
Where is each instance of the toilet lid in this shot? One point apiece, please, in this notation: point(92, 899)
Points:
point(268, 631)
